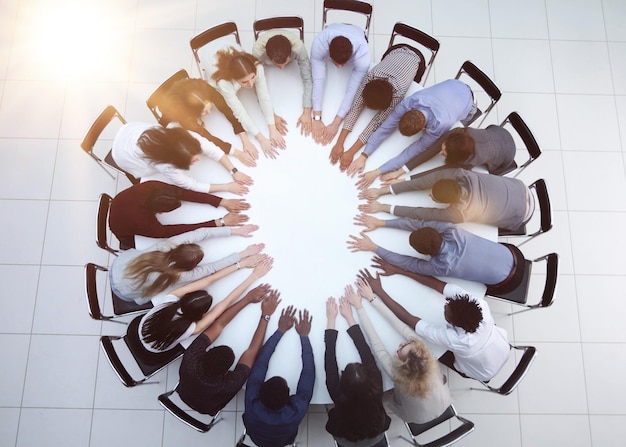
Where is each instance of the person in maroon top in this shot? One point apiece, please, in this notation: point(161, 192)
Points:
point(134, 211)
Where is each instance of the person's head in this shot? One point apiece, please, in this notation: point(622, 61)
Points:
point(168, 324)
point(235, 65)
point(413, 368)
point(446, 191)
point(377, 94)
point(278, 50)
point(340, 50)
point(426, 241)
point(360, 383)
point(188, 99)
point(217, 361)
point(163, 198)
point(412, 122)
point(457, 148)
point(464, 312)
point(185, 256)
point(274, 393)
point(173, 146)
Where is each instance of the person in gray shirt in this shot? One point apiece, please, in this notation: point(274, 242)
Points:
point(472, 197)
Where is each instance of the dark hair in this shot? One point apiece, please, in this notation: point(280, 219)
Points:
point(163, 198)
point(233, 64)
point(274, 393)
point(278, 49)
point(460, 146)
point(340, 49)
point(412, 122)
point(217, 361)
point(184, 102)
point(426, 240)
point(464, 312)
point(446, 190)
point(166, 325)
point(377, 94)
point(173, 146)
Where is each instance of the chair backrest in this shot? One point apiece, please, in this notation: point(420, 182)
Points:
point(279, 23)
point(527, 137)
point(185, 416)
point(95, 131)
point(155, 101)
point(485, 83)
point(102, 226)
point(449, 438)
point(120, 307)
point(148, 362)
point(209, 35)
point(522, 368)
point(425, 41)
point(545, 209)
point(349, 5)
point(552, 273)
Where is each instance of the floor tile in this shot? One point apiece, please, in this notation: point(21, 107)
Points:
point(570, 76)
point(492, 430)
point(516, 20)
point(600, 359)
point(175, 433)
point(550, 168)
point(278, 8)
point(620, 101)
point(523, 65)
point(54, 427)
point(585, 20)
point(607, 430)
point(614, 16)
point(14, 347)
point(211, 14)
point(8, 429)
point(459, 18)
point(417, 14)
point(116, 427)
point(456, 50)
point(26, 167)
point(165, 15)
point(551, 430)
point(16, 314)
point(599, 311)
point(618, 67)
point(15, 248)
point(49, 380)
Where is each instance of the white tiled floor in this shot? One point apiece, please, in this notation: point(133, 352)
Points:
point(560, 63)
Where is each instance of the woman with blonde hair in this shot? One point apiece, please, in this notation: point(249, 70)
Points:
point(139, 275)
point(234, 69)
point(420, 393)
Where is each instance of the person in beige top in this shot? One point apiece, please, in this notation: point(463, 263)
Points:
point(420, 394)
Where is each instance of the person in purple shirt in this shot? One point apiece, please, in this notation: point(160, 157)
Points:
point(272, 416)
point(432, 111)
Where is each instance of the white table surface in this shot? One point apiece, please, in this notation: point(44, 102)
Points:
point(305, 209)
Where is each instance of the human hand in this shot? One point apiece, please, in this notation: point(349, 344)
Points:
point(251, 250)
point(250, 148)
point(366, 179)
point(271, 302)
point(234, 205)
point(244, 230)
point(277, 138)
point(268, 149)
point(371, 207)
point(257, 294)
point(253, 260)
point(242, 178)
point(357, 166)
point(317, 129)
point(388, 176)
point(369, 222)
point(353, 298)
point(329, 132)
point(237, 188)
point(345, 309)
point(371, 194)
point(391, 182)
point(303, 325)
point(387, 268)
point(363, 288)
point(287, 319)
point(346, 160)
point(281, 124)
point(245, 158)
point(374, 282)
point(335, 153)
point(232, 219)
point(305, 123)
point(363, 243)
point(263, 267)
point(331, 309)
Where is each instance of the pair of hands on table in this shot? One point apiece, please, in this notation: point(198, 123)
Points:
point(288, 320)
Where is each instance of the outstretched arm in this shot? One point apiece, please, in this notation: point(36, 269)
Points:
point(390, 269)
point(268, 307)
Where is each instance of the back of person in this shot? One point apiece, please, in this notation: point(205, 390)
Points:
point(127, 154)
point(494, 148)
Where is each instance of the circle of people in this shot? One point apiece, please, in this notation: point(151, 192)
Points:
point(172, 275)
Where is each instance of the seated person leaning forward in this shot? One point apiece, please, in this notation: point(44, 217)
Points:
point(139, 275)
point(134, 211)
point(272, 416)
point(279, 47)
point(477, 348)
point(431, 111)
point(472, 197)
point(454, 252)
point(143, 149)
point(184, 312)
point(206, 382)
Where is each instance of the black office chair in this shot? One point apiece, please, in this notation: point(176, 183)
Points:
point(209, 35)
point(289, 22)
point(121, 307)
point(148, 362)
point(155, 101)
point(514, 379)
point(425, 41)
point(486, 84)
point(93, 134)
point(102, 226)
point(527, 137)
point(542, 201)
point(519, 296)
point(184, 415)
point(349, 5)
point(449, 438)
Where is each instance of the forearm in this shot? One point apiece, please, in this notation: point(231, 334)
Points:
point(356, 146)
point(398, 310)
point(249, 355)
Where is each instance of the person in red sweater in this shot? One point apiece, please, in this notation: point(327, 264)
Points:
point(134, 211)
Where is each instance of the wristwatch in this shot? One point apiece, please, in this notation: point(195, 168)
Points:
point(317, 117)
point(234, 171)
point(266, 317)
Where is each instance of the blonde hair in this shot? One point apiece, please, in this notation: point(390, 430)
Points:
point(415, 374)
